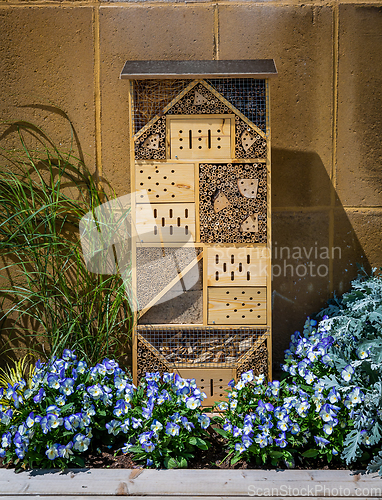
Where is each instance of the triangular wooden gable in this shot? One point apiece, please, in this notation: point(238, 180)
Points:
point(198, 99)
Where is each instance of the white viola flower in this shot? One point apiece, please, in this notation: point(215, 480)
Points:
point(81, 442)
point(52, 451)
point(193, 403)
point(247, 376)
point(156, 426)
point(240, 447)
point(240, 385)
point(328, 428)
point(259, 379)
point(362, 353)
point(347, 373)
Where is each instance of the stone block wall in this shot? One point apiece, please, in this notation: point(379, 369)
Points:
point(325, 112)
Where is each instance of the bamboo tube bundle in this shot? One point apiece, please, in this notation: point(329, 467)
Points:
point(257, 361)
point(208, 103)
point(222, 207)
point(142, 149)
point(248, 143)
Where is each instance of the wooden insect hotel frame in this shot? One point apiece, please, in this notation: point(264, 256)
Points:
point(200, 156)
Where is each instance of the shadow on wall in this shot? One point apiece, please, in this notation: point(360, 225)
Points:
point(315, 248)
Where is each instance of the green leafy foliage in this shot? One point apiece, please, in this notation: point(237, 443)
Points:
point(280, 422)
point(344, 351)
point(61, 414)
point(52, 299)
point(163, 421)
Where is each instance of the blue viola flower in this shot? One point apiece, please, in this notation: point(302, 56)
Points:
point(168, 377)
point(60, 400)
point(247, 441)
point(20, 451)
point(72, 422)
point(295, 428)
point(280, 412)
point(240, 385)
point(64, 451)
point(89, 410)
point(39, 396)
point(227, 426)
point(113, 427)
point(328, 427)
point(302, 408)
point(356, 396)
point(282, 425)
point(30, 420)
point(145, 437)
point(53, 381)
point(322, 442)
point(236, 431)
point(95, 391)
point(261, 440)
point(274, 387)
point(362, 353)
point(6, 440)
point(147, 412)
point(68, 355)
point(365, 438)
point(67, 387)
point(259, 379)
point(136, 422)
point(121, 408)
point(126, 447)
point(204, 421)
point(81, 367)
point(247, 376)
point(148, 447)
point(187, 424)
point(110, 365)
point(125, 425)
point(172, 429)
point(281, 440)
point(233, 404)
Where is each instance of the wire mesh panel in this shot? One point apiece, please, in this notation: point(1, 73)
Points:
point(248, 95)
point(151, 96)
point(202, 346)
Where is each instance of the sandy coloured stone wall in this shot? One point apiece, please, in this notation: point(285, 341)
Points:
point(325, 112)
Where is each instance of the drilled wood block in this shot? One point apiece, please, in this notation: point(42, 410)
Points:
point(237, 305)
point(166, 182)
point(237, 266)
point(213, 382)
point(165, 222)
point(197, 137)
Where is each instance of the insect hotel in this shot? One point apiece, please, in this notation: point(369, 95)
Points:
point(202, 251)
